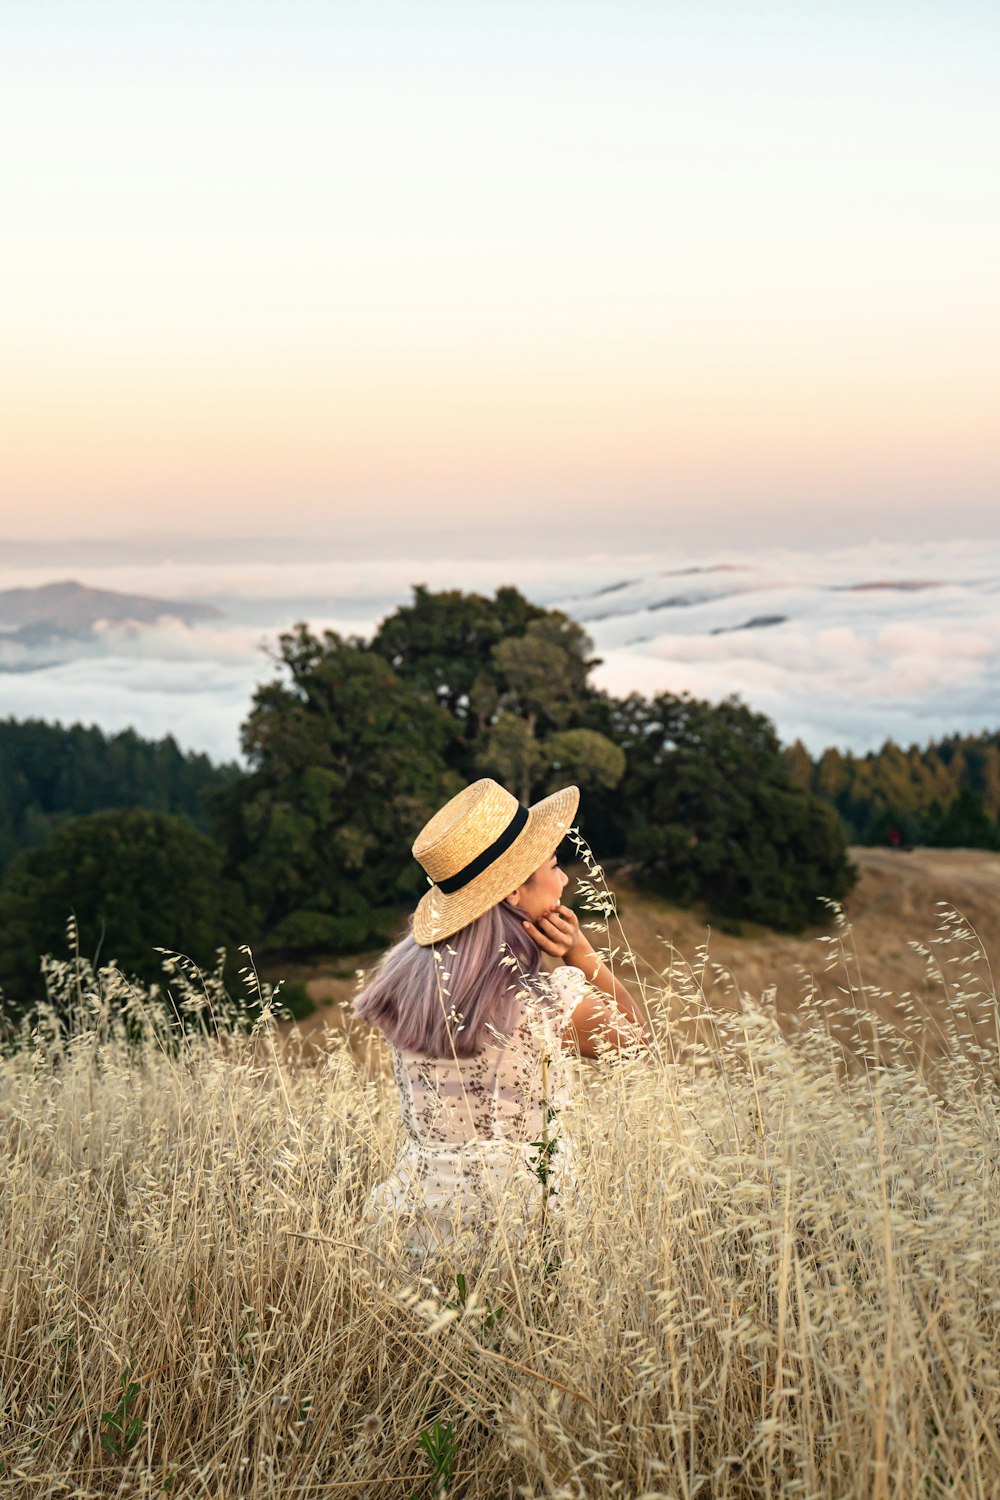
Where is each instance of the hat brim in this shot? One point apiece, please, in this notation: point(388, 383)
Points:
point(440, 916)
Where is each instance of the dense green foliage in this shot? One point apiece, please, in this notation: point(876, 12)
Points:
point(946, 794)
point(512, 679)
point(135, 881)
point(347, 761)
point(708, 813)
point(444, 643)
point(49, 774)
point(354, 753)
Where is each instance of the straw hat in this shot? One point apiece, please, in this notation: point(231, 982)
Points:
point(481, 846)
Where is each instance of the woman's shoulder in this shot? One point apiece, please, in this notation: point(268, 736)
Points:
point(568, 980)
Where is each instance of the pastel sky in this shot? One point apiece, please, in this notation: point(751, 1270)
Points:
point(346, 267)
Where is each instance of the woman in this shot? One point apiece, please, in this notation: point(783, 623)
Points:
point(476, 1027)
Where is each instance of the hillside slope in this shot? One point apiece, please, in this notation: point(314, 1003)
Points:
point(894, 904)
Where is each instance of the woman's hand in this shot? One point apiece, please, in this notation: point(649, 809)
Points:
point(558, 932)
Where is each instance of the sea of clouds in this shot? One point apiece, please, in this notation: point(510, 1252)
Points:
point(847, 647)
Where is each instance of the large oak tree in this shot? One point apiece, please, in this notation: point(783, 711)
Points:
point(347, 760)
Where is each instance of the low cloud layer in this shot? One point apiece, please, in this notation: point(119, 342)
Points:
point(846, 648)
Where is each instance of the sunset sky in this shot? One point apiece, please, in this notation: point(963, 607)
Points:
point(395, 270)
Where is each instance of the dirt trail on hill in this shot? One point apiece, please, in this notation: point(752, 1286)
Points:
point(895, 903)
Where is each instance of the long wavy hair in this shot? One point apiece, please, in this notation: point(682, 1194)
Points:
point(448, 999)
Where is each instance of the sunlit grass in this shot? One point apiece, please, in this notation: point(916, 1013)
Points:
point(778, 1271)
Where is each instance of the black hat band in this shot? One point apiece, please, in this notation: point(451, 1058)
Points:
point(489, 855)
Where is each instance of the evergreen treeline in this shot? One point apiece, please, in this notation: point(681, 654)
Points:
point(49, 774)
point(351, 750)
point(946, 794)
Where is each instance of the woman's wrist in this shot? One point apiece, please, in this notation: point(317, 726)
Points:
point(583, 957)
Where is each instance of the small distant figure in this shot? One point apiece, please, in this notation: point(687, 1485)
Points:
point(894, 838)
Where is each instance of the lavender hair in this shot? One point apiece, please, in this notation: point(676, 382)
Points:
point(445, 1000)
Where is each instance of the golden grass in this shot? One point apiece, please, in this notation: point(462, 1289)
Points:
point(778, 1274)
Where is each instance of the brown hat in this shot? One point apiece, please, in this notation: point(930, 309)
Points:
point(481, 846)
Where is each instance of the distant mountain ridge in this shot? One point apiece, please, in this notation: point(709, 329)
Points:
point(66, 614)
point(69, 611)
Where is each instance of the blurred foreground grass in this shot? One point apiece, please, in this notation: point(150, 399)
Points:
point(779, 1272)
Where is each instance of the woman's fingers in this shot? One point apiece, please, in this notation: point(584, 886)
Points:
point(554, 939)
point(543, 942)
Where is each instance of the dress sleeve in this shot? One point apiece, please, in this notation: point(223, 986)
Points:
point(570, 987)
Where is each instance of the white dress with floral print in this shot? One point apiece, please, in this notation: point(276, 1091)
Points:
point(472, 1125)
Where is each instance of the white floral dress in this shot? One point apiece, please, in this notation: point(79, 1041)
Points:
point(472, 1125)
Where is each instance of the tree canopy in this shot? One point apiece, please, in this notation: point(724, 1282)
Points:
point(710, 814)
point(444, 641)
point(347, 761)
point(135, 880)
point(509, 674)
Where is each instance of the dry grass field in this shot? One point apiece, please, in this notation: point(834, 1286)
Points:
point(775, 1273)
